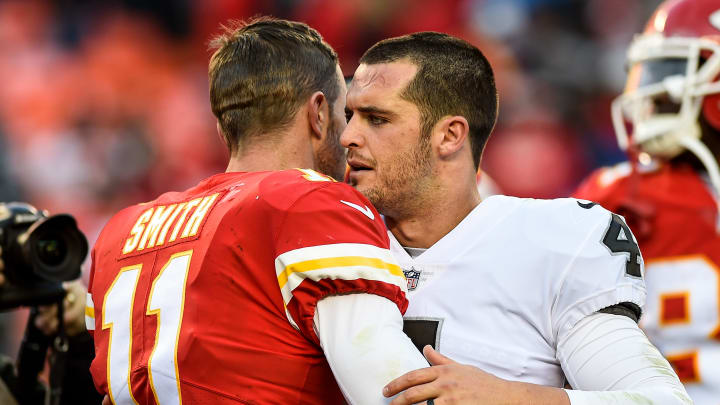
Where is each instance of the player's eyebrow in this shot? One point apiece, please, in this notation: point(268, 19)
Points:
point(370, 109)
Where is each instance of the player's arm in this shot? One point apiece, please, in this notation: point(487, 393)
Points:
point(603, 352)
point(343, 289)
point(363, 341)
point(608, 359)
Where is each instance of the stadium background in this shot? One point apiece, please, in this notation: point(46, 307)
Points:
point(104, 103)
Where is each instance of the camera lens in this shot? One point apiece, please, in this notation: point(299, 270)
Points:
point(51, 250)
point(54, 248)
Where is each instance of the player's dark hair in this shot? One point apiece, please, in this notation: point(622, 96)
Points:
point(453, 78)
point(262, 71)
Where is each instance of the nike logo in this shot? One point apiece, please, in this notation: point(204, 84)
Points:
point(365, 210)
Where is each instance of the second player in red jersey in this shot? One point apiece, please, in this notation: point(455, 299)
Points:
point(669, 195)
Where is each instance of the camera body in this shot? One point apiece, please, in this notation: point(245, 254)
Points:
point(39, 252)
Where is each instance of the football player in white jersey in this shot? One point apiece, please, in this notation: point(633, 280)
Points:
point(527, 294)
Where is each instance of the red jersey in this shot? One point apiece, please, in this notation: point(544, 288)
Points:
point(673, 214)
point(207, 296)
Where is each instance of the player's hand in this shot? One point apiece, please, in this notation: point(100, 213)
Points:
point(74, 311)
point(107, 401)
point(448, 382)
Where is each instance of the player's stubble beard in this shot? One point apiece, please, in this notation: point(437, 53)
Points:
point(330, 156)
point(401, 181)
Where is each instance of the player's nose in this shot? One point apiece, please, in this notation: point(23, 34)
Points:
point(351, 137)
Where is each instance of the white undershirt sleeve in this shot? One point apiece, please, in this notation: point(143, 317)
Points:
point(363, 341)
point(609, 360)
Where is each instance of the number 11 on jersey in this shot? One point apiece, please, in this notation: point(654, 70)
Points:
point(166, 302)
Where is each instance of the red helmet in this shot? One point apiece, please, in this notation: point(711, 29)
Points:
point(686, 18)
point(676, 59)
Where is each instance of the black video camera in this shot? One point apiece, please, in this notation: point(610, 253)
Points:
point(39, 253)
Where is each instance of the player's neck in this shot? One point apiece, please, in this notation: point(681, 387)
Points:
point(439, 214)
point(288, 152)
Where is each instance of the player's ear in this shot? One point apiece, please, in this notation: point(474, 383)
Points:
point(450, 133)
point(318, 114)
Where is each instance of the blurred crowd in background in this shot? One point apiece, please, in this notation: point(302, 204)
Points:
point(104, 103)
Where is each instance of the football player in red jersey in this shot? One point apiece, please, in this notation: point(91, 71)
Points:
point(258, 284)
point(668, 119)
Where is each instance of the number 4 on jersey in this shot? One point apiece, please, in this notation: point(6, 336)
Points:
point(619, 240)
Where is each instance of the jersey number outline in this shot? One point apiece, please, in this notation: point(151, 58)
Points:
point(167, 297)
point(681, 292)
point(619, 240)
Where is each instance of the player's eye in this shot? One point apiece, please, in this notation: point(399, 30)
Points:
point(375, 120)
point(348, 115)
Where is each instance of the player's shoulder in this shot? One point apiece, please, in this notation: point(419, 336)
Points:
point(559, 225)
point(606, 183)
point(603, 182)
point(295, 180)
point(126, 217)
point(558, 210)
point(117, 225)
point(282, 189)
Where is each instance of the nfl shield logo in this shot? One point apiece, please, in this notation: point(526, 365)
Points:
point(412, 276)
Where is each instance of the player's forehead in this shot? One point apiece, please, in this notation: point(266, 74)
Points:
point(380, 83)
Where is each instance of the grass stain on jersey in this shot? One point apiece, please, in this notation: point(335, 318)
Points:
point(363, 340)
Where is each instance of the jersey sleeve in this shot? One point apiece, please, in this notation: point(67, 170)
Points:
point(385, 352)
point(603, 267)
point(89, 305)
point(608, 359)
point(332, 241)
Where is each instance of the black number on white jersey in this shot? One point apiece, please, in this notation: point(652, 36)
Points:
point(586, 205)
point(619, 239)
point(423, 331)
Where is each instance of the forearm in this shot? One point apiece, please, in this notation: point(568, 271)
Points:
point(361, 335)
point(609, 360)
point(520, 393)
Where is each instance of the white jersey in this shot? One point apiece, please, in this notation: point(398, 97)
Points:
point(514, 276)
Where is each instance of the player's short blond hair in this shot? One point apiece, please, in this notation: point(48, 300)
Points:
point(262, 70)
